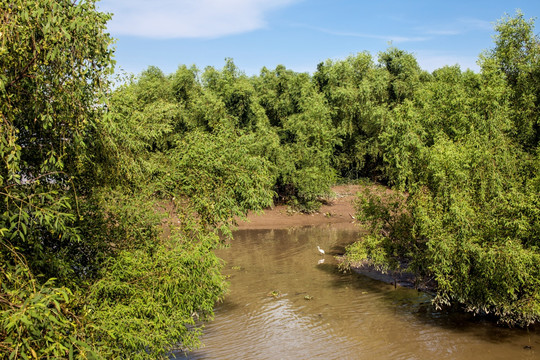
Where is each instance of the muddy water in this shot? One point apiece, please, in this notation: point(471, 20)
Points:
point(286, 301)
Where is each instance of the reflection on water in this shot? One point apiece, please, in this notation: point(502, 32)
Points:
point(288, 301)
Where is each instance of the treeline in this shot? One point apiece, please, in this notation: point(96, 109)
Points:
point(112, 201)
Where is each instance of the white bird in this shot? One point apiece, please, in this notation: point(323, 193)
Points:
point(320, 250)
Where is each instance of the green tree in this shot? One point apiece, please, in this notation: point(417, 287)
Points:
point(167, 190)
point(300, 118)
point(405, 74)
point(308, 141)
point(459, 149)
point(237, 94)
point(517, 54)
point(106, 229)
point(55, 58)
point(357, 95)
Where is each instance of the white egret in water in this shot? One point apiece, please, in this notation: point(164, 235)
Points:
point(320, 250)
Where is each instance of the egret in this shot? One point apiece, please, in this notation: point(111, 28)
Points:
point(320, 250)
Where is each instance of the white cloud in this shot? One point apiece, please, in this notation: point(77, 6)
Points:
point(477, 24)
point(392, 38)
point(187, 18)
point(457, 27)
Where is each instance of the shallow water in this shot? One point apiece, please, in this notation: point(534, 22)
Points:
point(286, 301)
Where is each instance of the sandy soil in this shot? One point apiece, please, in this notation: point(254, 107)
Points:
point(338, 212)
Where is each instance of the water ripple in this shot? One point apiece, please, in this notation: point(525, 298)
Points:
point(286, 304)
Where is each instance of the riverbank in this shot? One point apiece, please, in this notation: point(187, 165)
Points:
point(338, 211)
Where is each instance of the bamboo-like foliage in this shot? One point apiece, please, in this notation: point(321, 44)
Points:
point(464, 148)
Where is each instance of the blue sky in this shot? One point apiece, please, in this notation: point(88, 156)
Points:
point(301, 33)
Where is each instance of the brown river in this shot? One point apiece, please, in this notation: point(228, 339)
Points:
point(287, 301)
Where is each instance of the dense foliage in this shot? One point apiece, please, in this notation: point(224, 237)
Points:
point(109, 211)
point(465, 148)
point(112, 201)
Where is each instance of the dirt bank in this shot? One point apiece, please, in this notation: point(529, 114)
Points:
point(338, 212)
